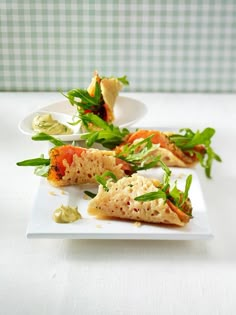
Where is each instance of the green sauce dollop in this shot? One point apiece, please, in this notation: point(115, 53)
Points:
point(66, 214)
point(45, 123)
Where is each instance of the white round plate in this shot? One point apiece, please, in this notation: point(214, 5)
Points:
point(127, 111)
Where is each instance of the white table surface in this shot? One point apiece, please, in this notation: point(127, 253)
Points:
point(53, 276)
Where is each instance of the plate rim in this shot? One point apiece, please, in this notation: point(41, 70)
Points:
point(74, 136)
point(176, 233)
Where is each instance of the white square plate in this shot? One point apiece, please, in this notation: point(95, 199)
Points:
point(49, 198)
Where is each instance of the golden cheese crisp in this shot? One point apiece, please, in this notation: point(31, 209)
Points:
point(70, 165)
point(119, 202)
point(170, 154)
point(110, 88)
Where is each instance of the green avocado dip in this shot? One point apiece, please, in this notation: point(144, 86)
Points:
point(45, 123)
point(66, 214)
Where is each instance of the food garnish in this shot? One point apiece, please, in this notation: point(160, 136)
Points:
point(190, 147)
point(138, 198)
point(164, 191)
point(45, 137)
point(66, 214)
point(71, 164)
point(89, 194)
point(99, 98)
point(176, 196)
point(189, 141)
point(47, 124)
point(103, 179)
point(104, 133)
point(139, 155)
point(41, 164)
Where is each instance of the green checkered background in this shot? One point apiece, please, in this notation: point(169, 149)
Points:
point(162, 46)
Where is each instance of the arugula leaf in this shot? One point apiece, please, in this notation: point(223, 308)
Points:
point(90, 118)
point(207, 160)
point(159, 194)
point(90, 194)
point(34, 162)
point(138, 155)
point(176, 196)
point(81, 97)
point(123, 80)
point(98, 92)
point(166, 177)
point(102, 179)
point(106, 134)
point(41, 164)
point(190, 139)
point(186, 190)
point(145, 165)
point(179, 196)
point(75, 122)
point(45, 137)
point(86, 101)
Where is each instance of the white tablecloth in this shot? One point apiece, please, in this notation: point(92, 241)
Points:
point(53, 276)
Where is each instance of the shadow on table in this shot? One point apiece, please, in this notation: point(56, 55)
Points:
point(141, 251)
point(219, 249)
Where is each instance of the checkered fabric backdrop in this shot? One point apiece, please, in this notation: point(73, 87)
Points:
point(166, 46)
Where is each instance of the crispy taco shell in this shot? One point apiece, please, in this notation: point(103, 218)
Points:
point(119, 202)
point(110, 88)
point(170, 154)
point(71, 165)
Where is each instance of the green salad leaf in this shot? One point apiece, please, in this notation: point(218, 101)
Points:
point(159, 194)
point(81, 97)
point(189, 140)
point(123, 80)
point(103, 179)
point(179, 196)
point(86, 102)
point(45, 137)
point(34, 162)
point(186, 189)
point(207, 160)
point(164, 191)
point(106, 134)
point(41, 165)
point(139, 155)
point(90, 194)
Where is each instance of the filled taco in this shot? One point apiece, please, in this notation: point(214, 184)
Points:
point(74, 165)
point(170, 153)
point(71, 165)
point(142, 199)
point(185, 148)
point(99, 98)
